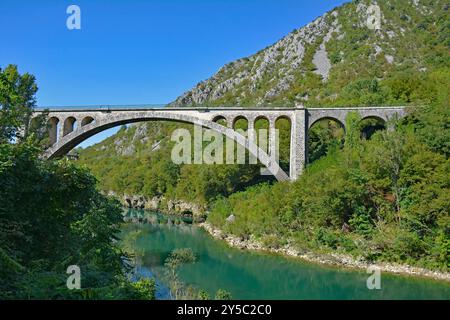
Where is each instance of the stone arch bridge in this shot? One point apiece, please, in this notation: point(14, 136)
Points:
point(64, 135)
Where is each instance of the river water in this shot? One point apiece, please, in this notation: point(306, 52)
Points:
point(254, 275)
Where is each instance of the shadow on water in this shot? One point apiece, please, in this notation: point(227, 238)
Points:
point(252, 275)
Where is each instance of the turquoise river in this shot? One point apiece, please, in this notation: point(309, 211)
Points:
point(254, 275)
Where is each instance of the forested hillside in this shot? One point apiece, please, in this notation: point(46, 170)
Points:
point(400, 62)
point(385, 198)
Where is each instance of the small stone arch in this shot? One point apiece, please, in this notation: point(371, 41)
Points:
point(87, 120)
point(371, 124)
point(220, 120)
point(283, 125)
point(315, 145)
point(261, 117)
point(69, 125)
point(377, 118)
point(330, 118)
point(236, 119)
point(34, 122)
point(261, 124)
point(283, 117)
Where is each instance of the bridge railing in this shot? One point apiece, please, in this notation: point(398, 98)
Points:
point(102, 107)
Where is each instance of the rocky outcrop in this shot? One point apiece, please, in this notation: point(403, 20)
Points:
point(274, 67)
point(183, 207)
point(320, 59)
point(162, 204)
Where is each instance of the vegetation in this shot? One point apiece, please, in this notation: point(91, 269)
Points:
point(151, 172)
point(380, 195)
point(178, 289)
point(383, 199)
point(52, 215)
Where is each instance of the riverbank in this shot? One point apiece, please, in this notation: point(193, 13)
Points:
point(333, 259)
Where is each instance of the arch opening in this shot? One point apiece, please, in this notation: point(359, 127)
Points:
point(53, 130)
point(371, 125)
point(262, 133)
point(220, 120)
point(70, 124)
point(87, 120)
point(325, 136)
point(283, 127)
point(240, 123)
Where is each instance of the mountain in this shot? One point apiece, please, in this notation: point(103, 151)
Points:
point(327, 62)
point(391, 52)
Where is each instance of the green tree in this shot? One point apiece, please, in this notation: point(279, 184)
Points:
point(17, 100)
point(52, 215)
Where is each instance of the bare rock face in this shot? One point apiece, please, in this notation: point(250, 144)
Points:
point(154, 203)
point(123, 147)
point(183, 207)
point(274, 74)
point(231, 218)
point(273, 67)
point(140, 134)
point(320, 59)
point(160, 203)
point(137, 202)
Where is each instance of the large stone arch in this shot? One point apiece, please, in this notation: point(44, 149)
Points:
point(101, 123)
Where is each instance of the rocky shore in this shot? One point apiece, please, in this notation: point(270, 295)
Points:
point(334, 259)
point(197, 212)
point(162, 204)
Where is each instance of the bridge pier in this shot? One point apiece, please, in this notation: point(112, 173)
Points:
point(298, 152)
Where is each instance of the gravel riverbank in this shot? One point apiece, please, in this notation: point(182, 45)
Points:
point(329, 259)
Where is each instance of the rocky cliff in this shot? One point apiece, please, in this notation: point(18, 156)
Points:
point(162, 204)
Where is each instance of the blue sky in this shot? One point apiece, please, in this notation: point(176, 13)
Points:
point(139, 52)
